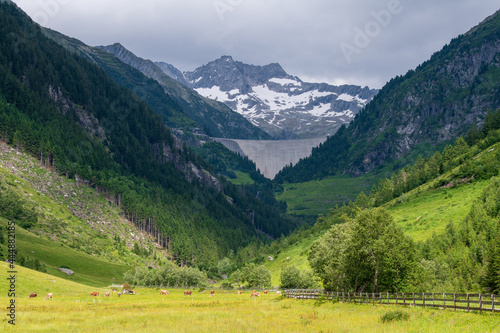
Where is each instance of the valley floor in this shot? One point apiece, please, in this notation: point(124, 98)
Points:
point(74, 310)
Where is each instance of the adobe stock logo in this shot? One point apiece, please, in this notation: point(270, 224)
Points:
point(363, 37)
point(224, 6)
point(48, 9)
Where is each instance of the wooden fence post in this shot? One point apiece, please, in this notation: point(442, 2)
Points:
point(468, 302)
point(423, 298)
point(480, 302)
point(455, 301)
point(492, 303)
point(433, 300)
point(444, 301)
point(414, 299)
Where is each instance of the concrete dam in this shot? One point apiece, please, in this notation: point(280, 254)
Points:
point(271, 156)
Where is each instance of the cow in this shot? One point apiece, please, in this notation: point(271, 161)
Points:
point(278, 293)
point(187, 293)
point(211, 295)
point(49, 296)
point(107, 294)
point(33, 295)
point(255, 294)
point(265, 292)
point(240, 292)
point(164, 292)
point(94, 294)
point(212, 292)
point(119, 294)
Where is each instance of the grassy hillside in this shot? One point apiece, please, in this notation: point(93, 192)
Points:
point(426, 212)
point(70, 213)
point(319, 196)
point(89, 270)
point(296, 256)
point(29, 281)
point(452, 216)
point(75, 228)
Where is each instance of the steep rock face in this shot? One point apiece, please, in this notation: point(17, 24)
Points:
point(437, 103)
point(281, 104)
point(419, 112)
point(164, 153)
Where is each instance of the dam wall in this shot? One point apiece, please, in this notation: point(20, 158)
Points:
point(270, 156)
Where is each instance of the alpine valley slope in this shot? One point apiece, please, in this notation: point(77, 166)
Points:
point(417, 113)
point(64, 110)
point(213, 118)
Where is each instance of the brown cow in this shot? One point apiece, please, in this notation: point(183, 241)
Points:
point(107, 294)
point(94, 294)
point(240, 292)
point(265, 292)
point(164, 292)
point(212, 292)
point(49, 296)
point(33, 295)
point(255, 294)
point(187, 292)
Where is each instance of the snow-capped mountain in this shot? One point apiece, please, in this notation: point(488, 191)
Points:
point(281, 104)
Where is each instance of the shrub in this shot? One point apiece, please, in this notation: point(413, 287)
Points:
point(394, 316)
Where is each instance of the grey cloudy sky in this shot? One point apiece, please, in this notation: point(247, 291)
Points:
point(360, 42)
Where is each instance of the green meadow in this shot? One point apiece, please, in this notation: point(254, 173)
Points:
point(423, 213)
point(315, 197)
point(74, 310)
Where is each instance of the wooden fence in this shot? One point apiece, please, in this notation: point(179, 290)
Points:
point(469, 302)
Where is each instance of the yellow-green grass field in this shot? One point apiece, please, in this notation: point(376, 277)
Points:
point(73, 310)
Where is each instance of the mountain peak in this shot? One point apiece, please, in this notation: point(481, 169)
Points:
point(226, 58)
point(281, 104)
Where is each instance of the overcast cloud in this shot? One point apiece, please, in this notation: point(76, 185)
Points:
point(359, 42)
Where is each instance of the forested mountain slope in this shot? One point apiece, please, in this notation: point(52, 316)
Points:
point(448, 205)
point(215, 118)
point(68, 113)
point(181, 107)
point(416, 113)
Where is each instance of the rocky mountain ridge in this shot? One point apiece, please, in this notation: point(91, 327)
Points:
point(214, 118)
point(283, 105)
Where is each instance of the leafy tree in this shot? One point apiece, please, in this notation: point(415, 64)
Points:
point(225, 266)
point(327, 257)
point(290, 277)
point(367, 253)
point(256, 276)
point(293, 277)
